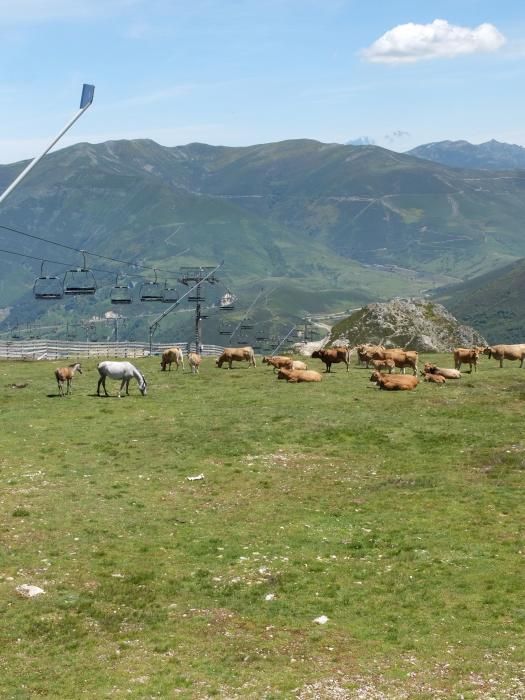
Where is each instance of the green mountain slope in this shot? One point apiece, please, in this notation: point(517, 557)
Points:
point(324, 226)
point(492, 303)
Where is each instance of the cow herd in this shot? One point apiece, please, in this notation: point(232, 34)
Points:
point(384, 362)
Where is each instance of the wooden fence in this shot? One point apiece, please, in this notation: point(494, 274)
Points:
point(55, 349)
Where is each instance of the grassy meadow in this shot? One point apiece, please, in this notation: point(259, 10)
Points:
point(398, 516)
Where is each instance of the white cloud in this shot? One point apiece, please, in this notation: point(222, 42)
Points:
point(396, 135)
point(408, 43)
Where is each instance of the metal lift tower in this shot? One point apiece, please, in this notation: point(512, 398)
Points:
point(195, 277)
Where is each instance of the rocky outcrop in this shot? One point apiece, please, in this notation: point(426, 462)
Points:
point(414, 324)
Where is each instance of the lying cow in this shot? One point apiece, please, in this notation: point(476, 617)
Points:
point(506, 352)
point(230, 355)
point(430, 368)
point(172, 355)
point(281, 361)
point(299, 375)
point(463, 356)
point(394, 382)
point(277, 361)
point(332, 356)
point(298, 364)
point(434, 378)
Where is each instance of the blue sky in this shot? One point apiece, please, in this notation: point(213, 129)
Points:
point(240, 72)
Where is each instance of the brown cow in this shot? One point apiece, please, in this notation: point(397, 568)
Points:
point(466, 356)
point(401, 358)
point(365, 352)
point(506, 352)
point(172, 355)
point(388, 364)
point(230, 355)
point(394, 382)
point(277, 361)
point(434, 378)
point(332, 356)
point(194, 361)
point(299, 375)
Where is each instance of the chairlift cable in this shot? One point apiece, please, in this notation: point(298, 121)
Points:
point(95, 255)
point(68, 264)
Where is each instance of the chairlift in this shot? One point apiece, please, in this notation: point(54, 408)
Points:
point(242, 341)
point(196, 297)
point(225, 328)
point(170, 295)
point(151, 291)
point(121, 293)
point(80, 280)
point(246, 324)
point(47, 286)
point(227, 301)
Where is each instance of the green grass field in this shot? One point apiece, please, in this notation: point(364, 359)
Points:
point(399, 516)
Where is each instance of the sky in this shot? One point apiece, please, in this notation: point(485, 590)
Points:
point(397, 73)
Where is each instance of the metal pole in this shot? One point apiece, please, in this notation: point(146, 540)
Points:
point(284, 339)
point(85, 101)
point(153, 327)
point(198, 324)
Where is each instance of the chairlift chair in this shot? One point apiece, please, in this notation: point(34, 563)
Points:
point(225, 328)
point(170, 295)
point(227, 301)
point(247, 324)
point(80, 280)
point(151, 291)
point(121, 293)
point(47, 286)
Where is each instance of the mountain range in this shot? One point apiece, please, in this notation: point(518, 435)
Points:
point(492, 155)
point(320, 227)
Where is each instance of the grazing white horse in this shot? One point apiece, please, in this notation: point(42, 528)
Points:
point(120, 370)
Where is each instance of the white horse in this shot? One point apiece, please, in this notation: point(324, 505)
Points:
point(120, 370)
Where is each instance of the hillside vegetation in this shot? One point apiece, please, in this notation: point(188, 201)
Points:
point(493, 303)
point(337, 225)
point(398, 516)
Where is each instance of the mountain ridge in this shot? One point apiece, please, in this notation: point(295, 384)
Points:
point(490, 155)
point(331, 225)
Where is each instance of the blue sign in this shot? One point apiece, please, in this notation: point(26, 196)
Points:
point(88, 92)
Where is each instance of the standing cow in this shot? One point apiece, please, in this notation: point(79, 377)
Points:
point(230, 355)
point(332, 356)
point(506, 352)
point(172, 355)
